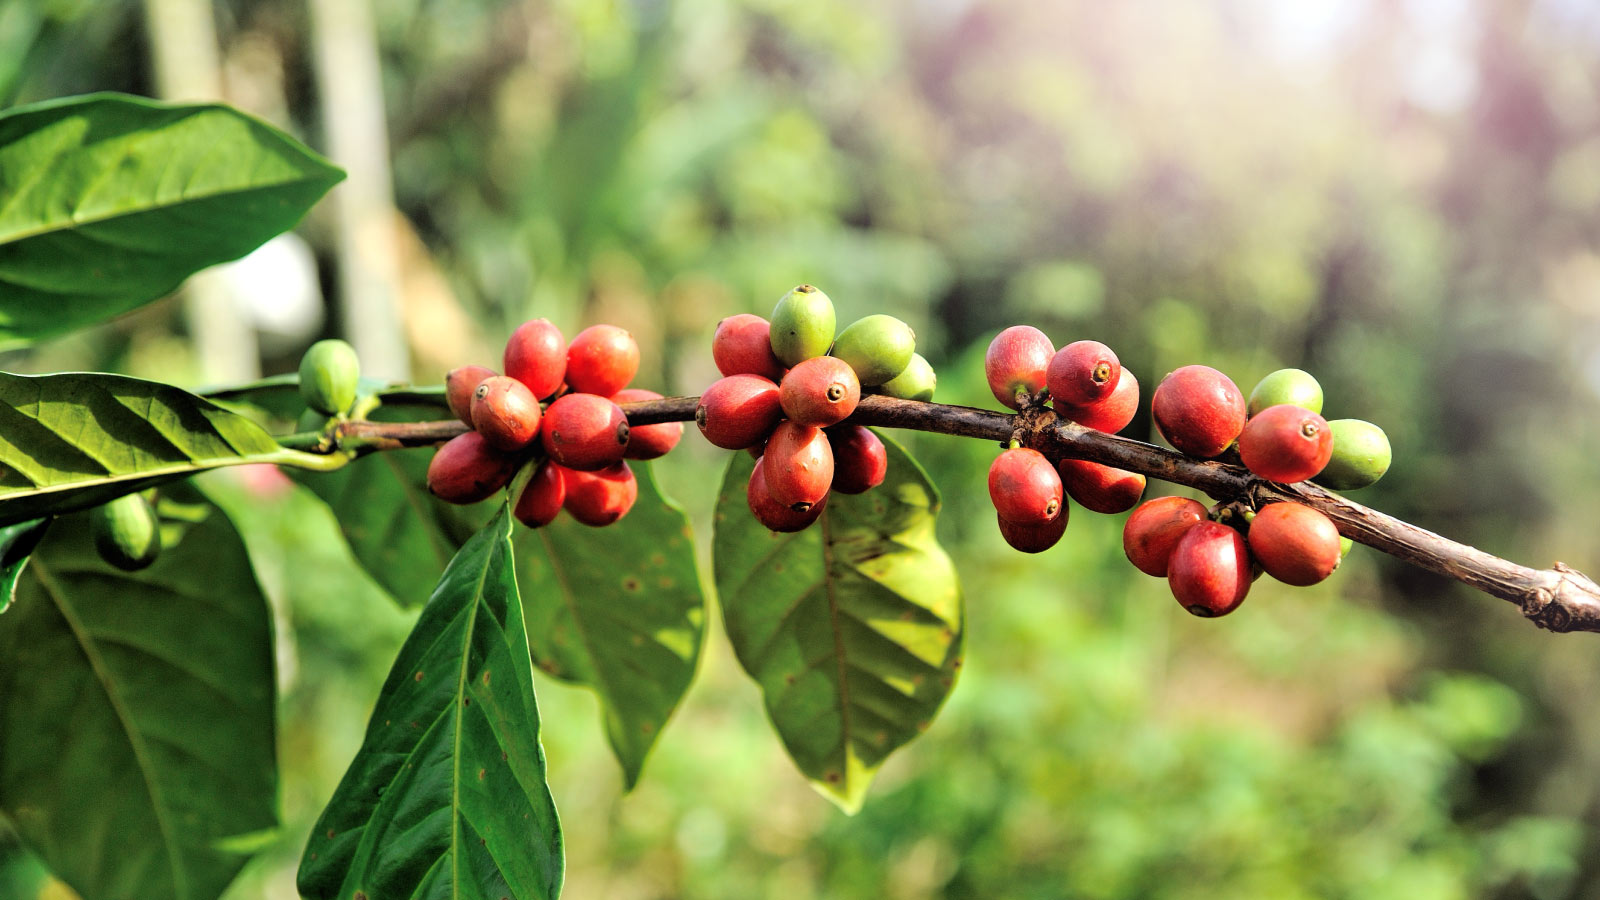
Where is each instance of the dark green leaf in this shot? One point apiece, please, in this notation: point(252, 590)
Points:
point(447, 795)
point(16, 542)
point(401, 534)
point(619, 609)
point(108, 202)
point(853, 627)
point(137, 710)
point(76, 440)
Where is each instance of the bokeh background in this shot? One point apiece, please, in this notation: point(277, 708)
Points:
point(1401, 196)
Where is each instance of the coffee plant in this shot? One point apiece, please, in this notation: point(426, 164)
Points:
point(136, 659)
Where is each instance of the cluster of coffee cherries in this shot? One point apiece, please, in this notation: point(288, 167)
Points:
point(1085, 383)
point(556, 407)
point(788, 385)
point(1211, 557)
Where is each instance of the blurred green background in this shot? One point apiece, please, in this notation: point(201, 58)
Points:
point(1401, 196)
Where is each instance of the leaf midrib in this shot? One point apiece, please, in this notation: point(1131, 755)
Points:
point(135, 739)
point(462, 678)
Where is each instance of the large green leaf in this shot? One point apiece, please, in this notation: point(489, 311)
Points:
point(108, 202)
point(853, 627)
point(16, 542)
point(76, 440)
point(137, 710)
point(619, 609)
point(447, 795)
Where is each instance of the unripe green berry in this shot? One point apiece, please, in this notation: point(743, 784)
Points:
point(915, 383)
point(1286, 386)
point(802, 325)
point(126, 532)
point(1361, 455)
point(878, 347)
point(328, 375)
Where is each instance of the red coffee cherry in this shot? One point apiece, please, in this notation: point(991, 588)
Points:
point(505, 412)
point(774, 515)
point(743, 346)
point(1083, 373)
point(1100, 489)
point(860, 461)
point(536, 355)
point(600, 497)
point(1286, 443)
point(541, 499)
point(647, 441)
point(1210, 570)
point(1034, 538)
point(1110, 415)
point(459, 383)
point(466, 469)
point(584, 432)
point(799, 465)
point(819, 391)
point(1153, 530)
point(1017, 360)
point(1294, 543)
point(1198, 410)
point(738, 411)
point(602, 359)
point(1024, 487)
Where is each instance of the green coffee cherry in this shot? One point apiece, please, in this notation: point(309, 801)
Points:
point(1292, 386)
point(1345, 544)
point(126, 532)
point(802, 325)
point(878, 347)
point(1361, 455)
point(915, 383)
point(328, 375)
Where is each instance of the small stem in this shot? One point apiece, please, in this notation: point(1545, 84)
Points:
point(1559, 598)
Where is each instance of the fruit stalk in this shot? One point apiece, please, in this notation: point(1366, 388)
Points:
point(1559, 599)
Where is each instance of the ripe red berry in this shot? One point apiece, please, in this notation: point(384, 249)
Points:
point(1294, 543)
point(1286, 443)
point(541, 499)
point(647, 441)
point(1110, 415)
point(1099, 488)
point(466, 469)
point(1017, 360)
point(799, 465)
point(774, 515)
point(602, 359)
point(819, 391)
point(505, 412)
point(600, 497)
point(1210, 570)
point(536, 355)
point(584, 432)
point(1198, 410)
point(1083, 373)
point(1034, 538)
point(1024, 487)
point(743, 346)
point(459, 384)
point(860, 461)
point(738, 411)
point(1153, 530)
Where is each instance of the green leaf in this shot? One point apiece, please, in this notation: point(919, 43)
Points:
point(137, 709)
point(16, 542)
point(447, 795)
point(108, 202)
point(401, 534)
point(852, 628)
point(76, 440)
point(620, 610)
